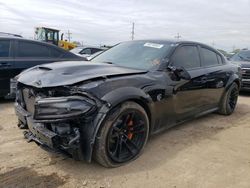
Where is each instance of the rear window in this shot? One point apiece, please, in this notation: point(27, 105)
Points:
point(30, 49)
point(4, 48)
point(94, 50)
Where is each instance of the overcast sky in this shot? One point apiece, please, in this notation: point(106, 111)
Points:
point(222, 23)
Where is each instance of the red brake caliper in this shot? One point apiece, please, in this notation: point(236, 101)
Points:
point(130, 124)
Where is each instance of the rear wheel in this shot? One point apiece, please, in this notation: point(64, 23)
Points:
point(229, 100)
point(123, 136)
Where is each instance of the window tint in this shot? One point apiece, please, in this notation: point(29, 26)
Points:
point(187, 57)
point(4, 48)
point(30, 49)
point(210, 57)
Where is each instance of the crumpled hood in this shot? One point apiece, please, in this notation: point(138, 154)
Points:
point(70, 72)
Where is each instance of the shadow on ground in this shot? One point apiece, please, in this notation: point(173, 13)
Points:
point(24, 177)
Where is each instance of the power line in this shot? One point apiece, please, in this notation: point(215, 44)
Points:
point(178, 36)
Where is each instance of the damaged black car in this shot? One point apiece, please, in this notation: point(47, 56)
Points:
point(107, 108)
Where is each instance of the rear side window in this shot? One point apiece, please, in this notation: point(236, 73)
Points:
point(4, 48)
point(210, 57)
point(30, 49)
point(187, 57)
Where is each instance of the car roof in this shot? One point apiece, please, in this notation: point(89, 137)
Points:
point(31, 40)
point(172, 41)
point(176, 42)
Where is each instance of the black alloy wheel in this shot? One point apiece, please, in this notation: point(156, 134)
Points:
point(126, 137)
point(233, 97)
point(229, 100)
point(123, 135)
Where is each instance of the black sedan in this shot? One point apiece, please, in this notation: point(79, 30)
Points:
point(17, 54)
point(107, 108)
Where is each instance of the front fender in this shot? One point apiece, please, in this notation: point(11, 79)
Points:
point(112, 99)
point(122, 94)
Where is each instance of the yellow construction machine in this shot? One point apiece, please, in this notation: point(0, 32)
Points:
point(52, 36)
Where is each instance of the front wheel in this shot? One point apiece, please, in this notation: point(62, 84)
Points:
point(229, 100)
point(123, 135)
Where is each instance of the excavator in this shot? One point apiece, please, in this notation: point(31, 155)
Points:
point(51, 36)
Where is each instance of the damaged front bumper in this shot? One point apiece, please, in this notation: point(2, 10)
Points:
point(61, 123)
point(57, 136)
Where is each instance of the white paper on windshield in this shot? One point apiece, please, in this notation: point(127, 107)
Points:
point(153, 45)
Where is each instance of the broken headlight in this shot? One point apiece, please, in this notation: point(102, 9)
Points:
point(61, 107)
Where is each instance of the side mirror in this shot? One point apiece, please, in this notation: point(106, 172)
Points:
point(179, 73)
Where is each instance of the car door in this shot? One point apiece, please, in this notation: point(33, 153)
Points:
point(216, 75)
point(29, 54)
point(188, 96)
point(6, 65)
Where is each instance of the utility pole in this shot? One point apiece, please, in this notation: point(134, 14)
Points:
point(234, 47)
point(133, 31)
point(213, 44)
point(68, 34)
point(178, 36)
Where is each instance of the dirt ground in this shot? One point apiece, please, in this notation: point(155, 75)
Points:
point(212, 151)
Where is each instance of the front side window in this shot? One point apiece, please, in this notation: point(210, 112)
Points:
point(210, 57)
point(4, 48)
point(30, 49)
point(186, 57)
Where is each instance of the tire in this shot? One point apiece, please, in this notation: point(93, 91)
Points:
point(122, 136)
point(229, 100)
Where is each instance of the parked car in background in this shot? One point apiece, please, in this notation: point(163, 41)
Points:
point(88, 51)
point(108, 107)
point(243, 58)
point(17, 54)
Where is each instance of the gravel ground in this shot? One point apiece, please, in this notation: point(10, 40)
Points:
point(212, 151)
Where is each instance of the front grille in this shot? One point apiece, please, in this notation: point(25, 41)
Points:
point(246, 85)
point(29, 100)
point(246, 73)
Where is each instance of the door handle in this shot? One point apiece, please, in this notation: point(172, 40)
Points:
point(202, 80)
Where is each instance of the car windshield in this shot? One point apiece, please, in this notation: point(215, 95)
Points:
point(135, 54)
point(242, 56)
